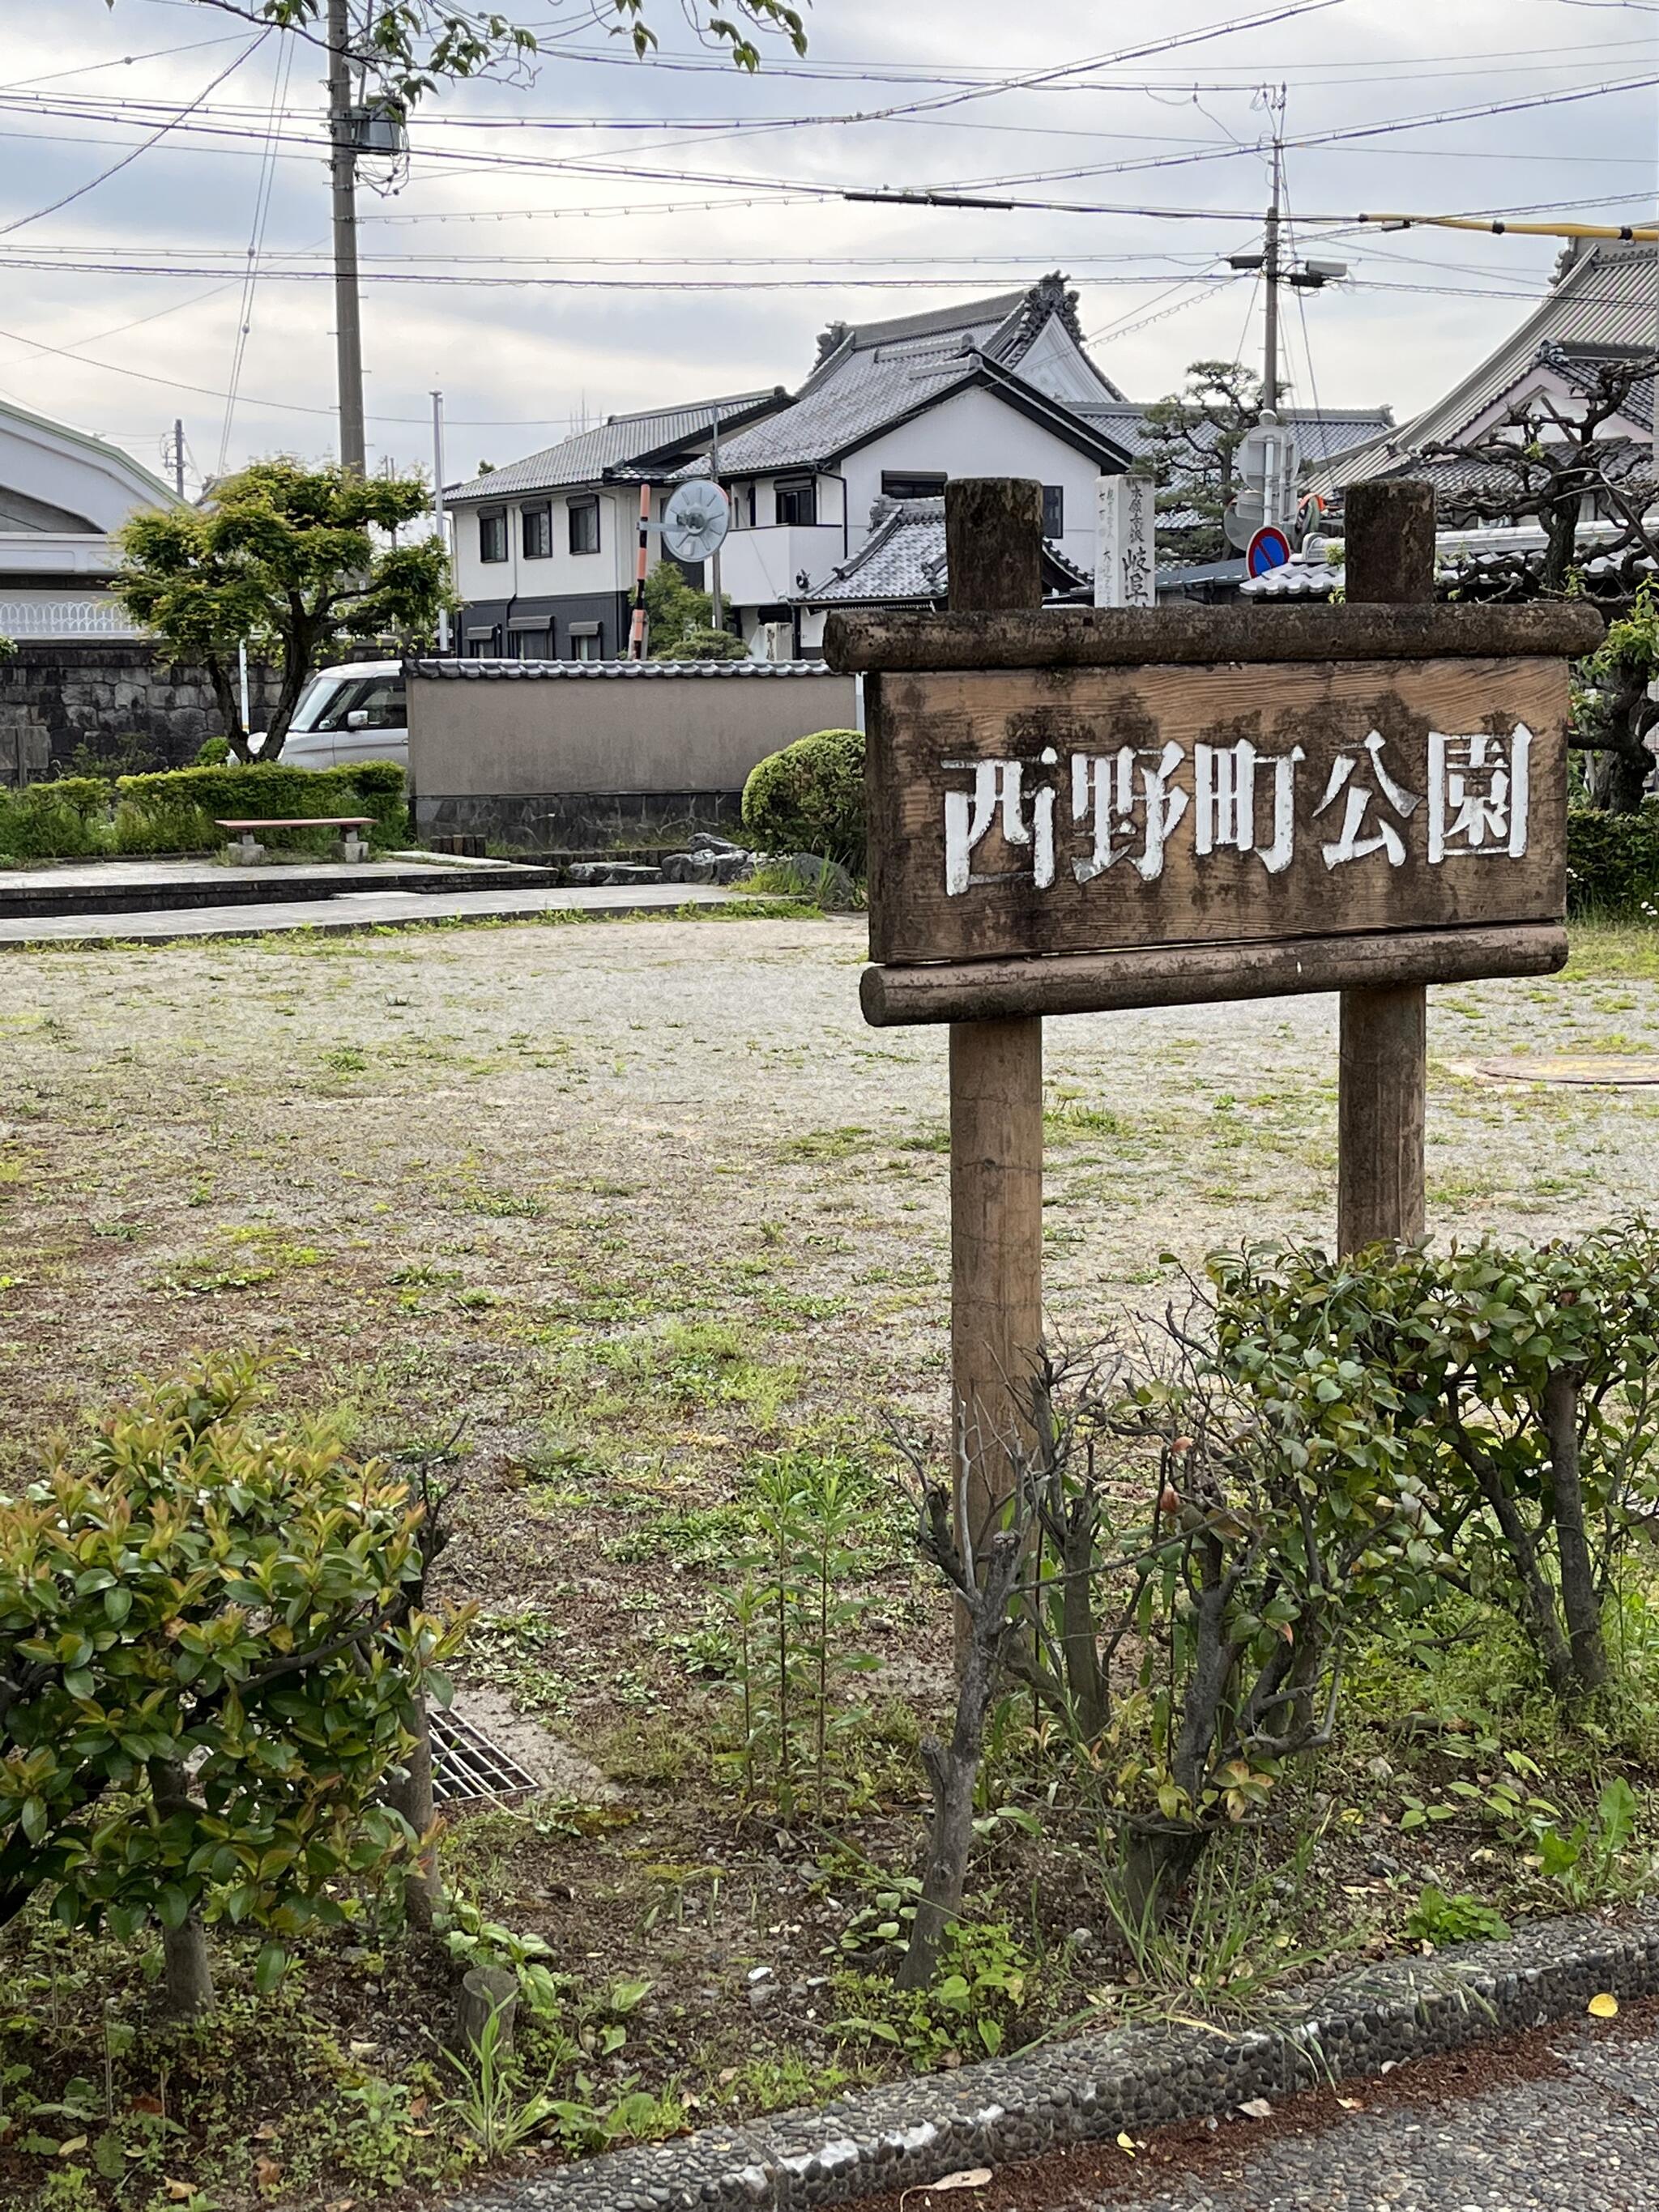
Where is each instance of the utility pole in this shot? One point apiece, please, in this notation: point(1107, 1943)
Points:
point(438, 505)
point(179, 457)
point(343, 170)
point(1270, 268)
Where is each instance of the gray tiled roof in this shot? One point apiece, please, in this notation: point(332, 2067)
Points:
point(1321, 433)
point(876, 374)
point(1604, 298)
point(904, 559)
point(537, 672)
point(586, 457)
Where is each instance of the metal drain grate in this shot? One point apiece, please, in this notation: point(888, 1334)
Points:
point(467, 1766)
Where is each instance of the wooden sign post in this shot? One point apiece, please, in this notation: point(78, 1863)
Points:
point(1075, 810)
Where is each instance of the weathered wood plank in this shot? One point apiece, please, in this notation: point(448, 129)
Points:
point(1180, 805)
point(1125, 637)
point(1196, 975)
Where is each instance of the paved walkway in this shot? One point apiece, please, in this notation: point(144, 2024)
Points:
point(351, 910)
point(1585, 2137)
point(143, 874)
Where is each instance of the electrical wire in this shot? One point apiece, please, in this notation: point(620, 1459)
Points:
point(23, 221)
point(256, 240)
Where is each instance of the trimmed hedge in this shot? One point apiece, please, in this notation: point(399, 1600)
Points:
point(50, 821)
point(810, 798)
point(175, 811)
point(1613, 859)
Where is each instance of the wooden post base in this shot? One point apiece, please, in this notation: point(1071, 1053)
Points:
point(996, 1253)
point(1380, 1116)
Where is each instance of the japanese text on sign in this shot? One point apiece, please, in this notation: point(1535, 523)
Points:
point(1094, 811)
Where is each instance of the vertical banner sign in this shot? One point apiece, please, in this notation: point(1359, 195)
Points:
point(1071, 812)
point(1125, 549)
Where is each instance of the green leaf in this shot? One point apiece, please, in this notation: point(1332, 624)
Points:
point(269, 1968)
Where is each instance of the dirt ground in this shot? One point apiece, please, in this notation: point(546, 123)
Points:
point(615, 1209)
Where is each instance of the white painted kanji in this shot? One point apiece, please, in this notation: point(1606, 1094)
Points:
point(1479, 789)
point(1126, 798)
point(999, 788)
point(1234, 785)
point(1359, 835)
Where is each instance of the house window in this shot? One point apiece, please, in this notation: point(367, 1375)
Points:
point(742, 497)
point(482, 644)
point(587, 642)
point(492, 535)
point(796, 502)
point(531, 644)
point(538, 532)
point(894, 486)
point(584, 524)
point(1054, 510)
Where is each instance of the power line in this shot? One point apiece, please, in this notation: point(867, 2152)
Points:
point(21, 223)
point(256, 240)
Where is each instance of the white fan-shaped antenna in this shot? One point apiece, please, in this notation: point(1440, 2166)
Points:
point(696, 520)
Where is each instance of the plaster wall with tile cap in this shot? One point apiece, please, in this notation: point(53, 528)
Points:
point(530, 751)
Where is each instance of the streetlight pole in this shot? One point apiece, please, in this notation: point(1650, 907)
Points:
point(438, 505)
point(342, 171)
point(1270, 268)
point(716, 614)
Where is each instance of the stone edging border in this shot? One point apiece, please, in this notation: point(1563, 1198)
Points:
point(906, 2134)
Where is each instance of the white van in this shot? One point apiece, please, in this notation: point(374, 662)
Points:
point(357, 712)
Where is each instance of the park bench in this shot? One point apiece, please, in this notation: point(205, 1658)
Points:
point(247, 852)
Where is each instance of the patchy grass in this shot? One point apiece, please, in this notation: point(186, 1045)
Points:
point(629, 1219)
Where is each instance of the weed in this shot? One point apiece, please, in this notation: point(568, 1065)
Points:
point(1438, 1919)
point(1228, 1941)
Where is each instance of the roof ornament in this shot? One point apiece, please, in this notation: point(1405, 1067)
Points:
point(831, 340)
point(1049, 297)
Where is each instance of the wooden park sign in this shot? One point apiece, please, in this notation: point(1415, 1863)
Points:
point(1076, 809)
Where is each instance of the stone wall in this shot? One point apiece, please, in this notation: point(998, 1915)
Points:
point(122, 701)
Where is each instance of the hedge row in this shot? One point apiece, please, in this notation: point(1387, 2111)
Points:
point(175, 811)
point(1612, 861)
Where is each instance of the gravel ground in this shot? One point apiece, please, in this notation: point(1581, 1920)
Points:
point(1582, 2141)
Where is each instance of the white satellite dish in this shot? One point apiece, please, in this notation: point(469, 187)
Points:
point(696, 520)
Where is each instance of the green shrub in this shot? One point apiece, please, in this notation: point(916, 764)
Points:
point(211, 1638)
point(1613, 859)
point(810, 798)
point(52, 821)
point(175, 811)
point(213, 752)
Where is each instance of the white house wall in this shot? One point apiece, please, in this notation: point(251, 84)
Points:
point(563, 573)
point(975, 433)
point(1054, 364)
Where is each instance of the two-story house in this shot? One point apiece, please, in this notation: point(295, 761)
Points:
point(545, 549)
point(890, 412)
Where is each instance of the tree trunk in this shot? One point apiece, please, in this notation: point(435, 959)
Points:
point(953, 1768)
point(189, 1975)
point(188, 1982)
point(230, 697)
point(1618, 779)
point(1537, 1600)
point(1579, 1599)
point(411, 1796)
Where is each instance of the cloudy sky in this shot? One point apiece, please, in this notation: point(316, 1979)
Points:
point(611, 235)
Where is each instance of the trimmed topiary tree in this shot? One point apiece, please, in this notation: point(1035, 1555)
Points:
point(810, 798)
point(213, 1652)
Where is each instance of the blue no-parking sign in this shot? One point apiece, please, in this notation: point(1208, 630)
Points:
point(1269, 549)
